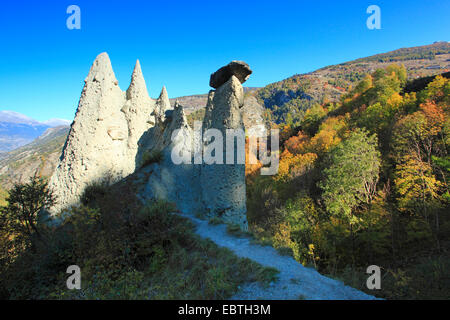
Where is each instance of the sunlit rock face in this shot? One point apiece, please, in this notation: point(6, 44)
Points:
point(102, 142)
point(217, 190)
point(117, 133)
point(137, 110)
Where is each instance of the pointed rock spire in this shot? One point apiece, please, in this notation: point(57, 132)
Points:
point(137, 87)
point(101, 70)
point(137, 109)
point(176, 120)
point(164, 99)
point(162, 104)
point(178, 114)
point(208, 110)
point(98, 125)
point(223, 185)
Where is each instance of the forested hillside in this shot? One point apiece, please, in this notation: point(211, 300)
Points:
point(288, 100)
point(364, 181)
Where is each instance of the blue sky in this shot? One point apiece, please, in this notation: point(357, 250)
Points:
point(180, 43)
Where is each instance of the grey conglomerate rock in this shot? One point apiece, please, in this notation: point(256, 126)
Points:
point(223, 185)
point(115, 133)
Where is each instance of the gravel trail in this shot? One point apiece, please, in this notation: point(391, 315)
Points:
point(295, 281)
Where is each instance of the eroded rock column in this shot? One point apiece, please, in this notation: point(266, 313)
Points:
point(223, 185)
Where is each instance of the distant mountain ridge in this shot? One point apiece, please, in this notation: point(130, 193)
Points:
point(17, 130)
point(39, 156)
point(56, 122)
point(16, 117)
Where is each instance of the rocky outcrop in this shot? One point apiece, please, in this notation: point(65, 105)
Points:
point(162, 105)
point(102, 142)
point(97, 138)
point(182, 176)
point(252, 117)
point(137, 109)
point(239, 69)
point(175, 177)
point(116, 133)
point(223, 184)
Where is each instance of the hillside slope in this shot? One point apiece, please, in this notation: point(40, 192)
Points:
point(290, 98)
point(39, 156)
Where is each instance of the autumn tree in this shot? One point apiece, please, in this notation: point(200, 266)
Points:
point(421, 134)
point(417, 186)
point(437, 90)
point(419, 145)
point(312, 119)
point(330, 133)
point(298, 143)
point(365, 84)
point(351, 178)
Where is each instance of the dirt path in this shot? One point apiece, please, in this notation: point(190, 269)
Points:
point(295, 280)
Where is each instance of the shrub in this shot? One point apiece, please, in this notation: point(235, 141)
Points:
point(127, 251)
point(93, 192)
point(20, 217)
point(150, 157)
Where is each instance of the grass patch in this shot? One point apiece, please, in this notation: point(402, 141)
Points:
point(3, 195)
point(195, 116)
point(150, 157)
point(235, 230)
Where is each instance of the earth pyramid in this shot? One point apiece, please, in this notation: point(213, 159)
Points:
point(114, 132)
